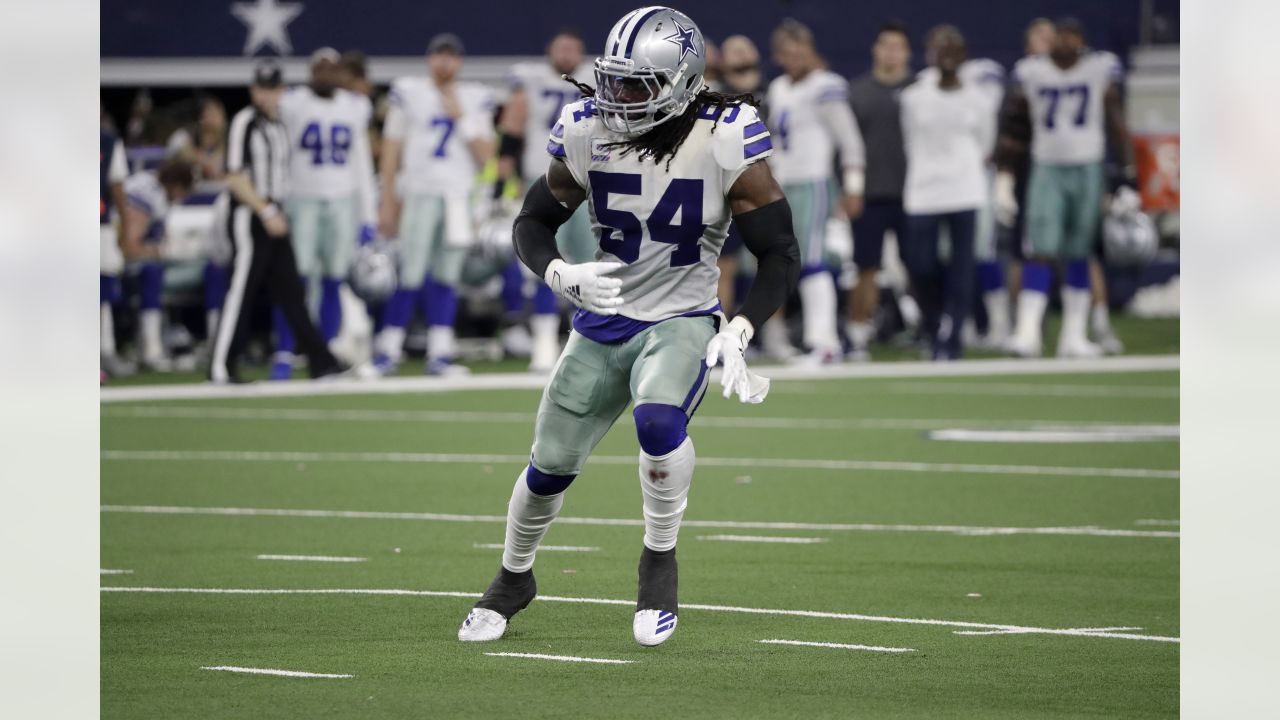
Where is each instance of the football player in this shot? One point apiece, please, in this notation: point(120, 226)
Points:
point(1072, 98)
point(437, 137)
point(149, 195)
point(538, 94)
point(331, 190)
point(809, 112)
point(662, 164)
point(113, 169)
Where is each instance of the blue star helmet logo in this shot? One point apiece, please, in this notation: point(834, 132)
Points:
point(684, 38)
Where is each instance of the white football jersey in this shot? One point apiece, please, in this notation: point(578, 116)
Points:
point(986, 75)
point(437, 160)
point(666, 225)
point(326, 139)
point(948, 135)
point(804, 150)
point(546, 94)
point(144, 191)
point(1067, 113)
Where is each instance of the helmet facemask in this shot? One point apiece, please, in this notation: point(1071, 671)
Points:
point(631, 101)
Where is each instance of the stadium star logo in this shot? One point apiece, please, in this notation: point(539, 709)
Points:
point(267, 21)
point(684, 38)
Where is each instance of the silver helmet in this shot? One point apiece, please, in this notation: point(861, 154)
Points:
point(650, 71)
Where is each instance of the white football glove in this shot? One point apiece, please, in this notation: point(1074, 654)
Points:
point(1006, 203)
point(727, 348)
point(586, 286)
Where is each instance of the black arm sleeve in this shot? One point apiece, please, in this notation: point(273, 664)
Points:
point(534, 234)
point(767, 232)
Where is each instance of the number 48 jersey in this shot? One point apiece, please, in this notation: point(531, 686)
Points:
point(1067, 106)
point(665, 224)
point(326, 139)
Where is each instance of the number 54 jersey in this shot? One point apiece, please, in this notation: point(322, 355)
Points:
point(1067, 106)
point(666, 224)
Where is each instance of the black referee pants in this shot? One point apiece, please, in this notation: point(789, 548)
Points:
point(258, 260)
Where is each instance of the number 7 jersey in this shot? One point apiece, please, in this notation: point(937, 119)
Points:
point(665, 224)
point(1067, 106)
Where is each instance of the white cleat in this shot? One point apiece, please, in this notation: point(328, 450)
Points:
point(1023, 347)
point(1110, 344)
point(1078, 349)
point(653, 627)
point(483, 625)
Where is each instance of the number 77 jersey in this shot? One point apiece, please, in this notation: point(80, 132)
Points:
point(1067, 112)
point(666, 222)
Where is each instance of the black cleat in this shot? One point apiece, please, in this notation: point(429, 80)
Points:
point(508, 594)
point(656, 604)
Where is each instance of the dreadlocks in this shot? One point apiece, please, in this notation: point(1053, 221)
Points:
point(663, 141)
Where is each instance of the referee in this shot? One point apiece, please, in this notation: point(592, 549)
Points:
point(257, 169)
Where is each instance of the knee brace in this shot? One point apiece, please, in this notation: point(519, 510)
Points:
point(660, 428)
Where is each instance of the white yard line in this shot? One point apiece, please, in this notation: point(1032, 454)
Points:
point(842, 646)
point(970, 530)
point(764, 539)
point(561, 658)
point(1023, 632)
point(1033, 390)
point(541, 548)
point(315, 558)
point(1174, 523)
point(1137, 433)
point(104, 571)
point(526, 381)
point(273, 671)
point(1071, 632)
point(786, 463)
point(197, 412)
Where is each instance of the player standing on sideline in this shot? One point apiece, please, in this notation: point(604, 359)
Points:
point(113, 170)
point(809, 112)
point(538, 95)
point(652, 144)
point(331, 190)
point(257, 182)
point(442, 129)
point(948, 126)
point(1067, 96)
point(149, 197)
point(874, 98)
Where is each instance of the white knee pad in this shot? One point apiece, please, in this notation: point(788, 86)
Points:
point(664, 482)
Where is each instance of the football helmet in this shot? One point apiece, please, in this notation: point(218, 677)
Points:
point(650, 71)
point(1128, 234)
point(373, 274)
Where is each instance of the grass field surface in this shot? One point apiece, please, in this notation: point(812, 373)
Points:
point(989, 546)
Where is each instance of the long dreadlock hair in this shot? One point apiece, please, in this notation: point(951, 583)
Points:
point(663, 141)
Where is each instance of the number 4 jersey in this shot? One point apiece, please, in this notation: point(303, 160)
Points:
point(666, 224)
point(1067, 106)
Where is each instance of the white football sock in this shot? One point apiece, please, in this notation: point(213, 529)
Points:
point(664, 482)
point(212, 316)
point(149, 331)
point(860, 333)
point(107, 332)
point(441, 343)
point(1075, 316)
point(773, 337)
point(1100, 316)
point(997, 304)
point(528, 517)
point(819, 297)
point(546, 340)
point(390, 343)
point(1031, 305)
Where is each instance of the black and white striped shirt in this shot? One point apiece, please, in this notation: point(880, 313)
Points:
point(259, 146)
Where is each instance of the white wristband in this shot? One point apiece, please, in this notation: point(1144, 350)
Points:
point(854, 181)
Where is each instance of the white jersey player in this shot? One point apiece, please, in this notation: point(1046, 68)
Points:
point(810, 115)
point(1071, 100)
point(662, 165)
point(437, 137)
point(331, 200)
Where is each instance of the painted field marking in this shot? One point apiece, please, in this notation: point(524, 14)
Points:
point(1136, 433)
point(1071, 632)
point(969, 530)
point(764, 539)
point(561, 658)
point(843, 646)
point(315, 558)
point(528, 381)
point(1173, 523)
point(104, 571)
point(782, 463)
point(1033, 390)
point(550, 548)
point(1021, 632)
point(273, 671)
point(172, 412)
